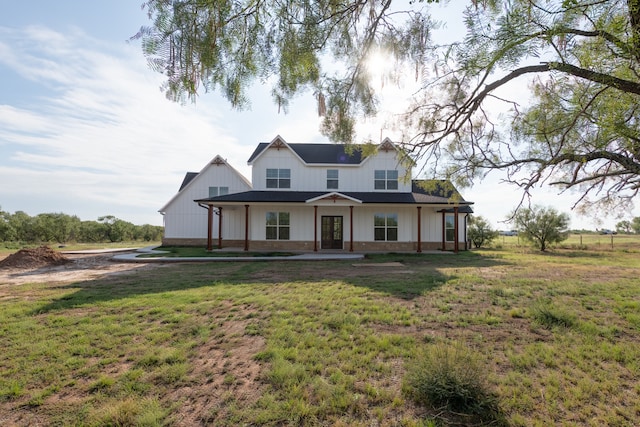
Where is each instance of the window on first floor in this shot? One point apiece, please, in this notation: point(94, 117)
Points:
point(449, 228)
point(332, 179)
point(277, 225)
point(385, 227)
point(385, 180)
point(218, 191)
point(278, 178)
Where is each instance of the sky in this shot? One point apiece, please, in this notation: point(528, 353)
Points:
point(85, 129)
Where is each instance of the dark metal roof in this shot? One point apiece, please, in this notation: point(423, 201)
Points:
point(319, 153)
point(187, 179)
point(436, 188)
point(461, 209)
point(421, 196)
point(266, 196)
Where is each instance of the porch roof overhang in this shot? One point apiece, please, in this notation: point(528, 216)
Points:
point(306, 197)
point(334, 195)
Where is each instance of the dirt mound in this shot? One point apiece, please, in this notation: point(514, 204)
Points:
point(34, 258)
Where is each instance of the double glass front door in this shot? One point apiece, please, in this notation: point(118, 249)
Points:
point(331, 232)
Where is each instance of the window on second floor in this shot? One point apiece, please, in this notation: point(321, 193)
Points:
point(218, 191)
point(385, 227)
point(332, 179)
point(385, 180)
point(278, 178)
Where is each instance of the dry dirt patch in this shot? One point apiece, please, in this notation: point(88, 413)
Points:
point(44, 265)
point(224, 370)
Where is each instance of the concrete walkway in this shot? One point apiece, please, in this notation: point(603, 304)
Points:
point(99, 251)
point(311, 256)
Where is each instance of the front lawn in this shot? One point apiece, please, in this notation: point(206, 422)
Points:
point(554, 338)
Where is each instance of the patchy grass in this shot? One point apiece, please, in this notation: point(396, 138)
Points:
point(554, 336)
point(551, 316)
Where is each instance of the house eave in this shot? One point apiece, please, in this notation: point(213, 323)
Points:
point(334, 195)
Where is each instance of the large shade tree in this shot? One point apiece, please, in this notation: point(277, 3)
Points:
point(579, 58)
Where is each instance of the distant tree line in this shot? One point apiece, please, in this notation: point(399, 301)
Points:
point(62, 228)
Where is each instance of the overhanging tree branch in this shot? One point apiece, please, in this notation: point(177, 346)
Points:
point(594, 76)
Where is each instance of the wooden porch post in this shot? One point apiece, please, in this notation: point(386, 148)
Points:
point(455, 229)
point(209, 227)
point(444, 244)
point(220, 228)
point(315, 229)
point(350, 228)
point(419, 229)
point(246, 227)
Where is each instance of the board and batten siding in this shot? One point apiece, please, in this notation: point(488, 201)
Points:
point(314, 177)
point(431, 226)
point(185, 219)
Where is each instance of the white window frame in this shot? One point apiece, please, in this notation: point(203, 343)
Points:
point(218, 191)
point(333, 179)
point(449, 227)
point(278, 178)
point(279, 223)
point(387, 224)
point(385, 179)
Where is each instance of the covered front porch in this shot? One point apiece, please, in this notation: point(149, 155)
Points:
point(336, 222)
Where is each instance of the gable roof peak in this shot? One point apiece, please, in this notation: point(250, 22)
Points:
point(278, 142)
point(387, 145)
point(218, 161)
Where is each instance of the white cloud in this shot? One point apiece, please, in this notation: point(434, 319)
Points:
point(104, 135)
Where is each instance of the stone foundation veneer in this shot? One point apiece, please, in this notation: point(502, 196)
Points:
point(307, 246)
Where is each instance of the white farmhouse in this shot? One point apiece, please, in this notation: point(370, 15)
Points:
point(185, 222)
point(317, 197)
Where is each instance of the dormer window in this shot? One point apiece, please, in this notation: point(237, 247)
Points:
point(385, 180)
point(332, 179)
point(278, 178)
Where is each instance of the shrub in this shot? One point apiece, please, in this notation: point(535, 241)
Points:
point(480, 231)
point(452, 378)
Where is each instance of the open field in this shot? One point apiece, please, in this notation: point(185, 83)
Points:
point(326, 343)
point(591, 241)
